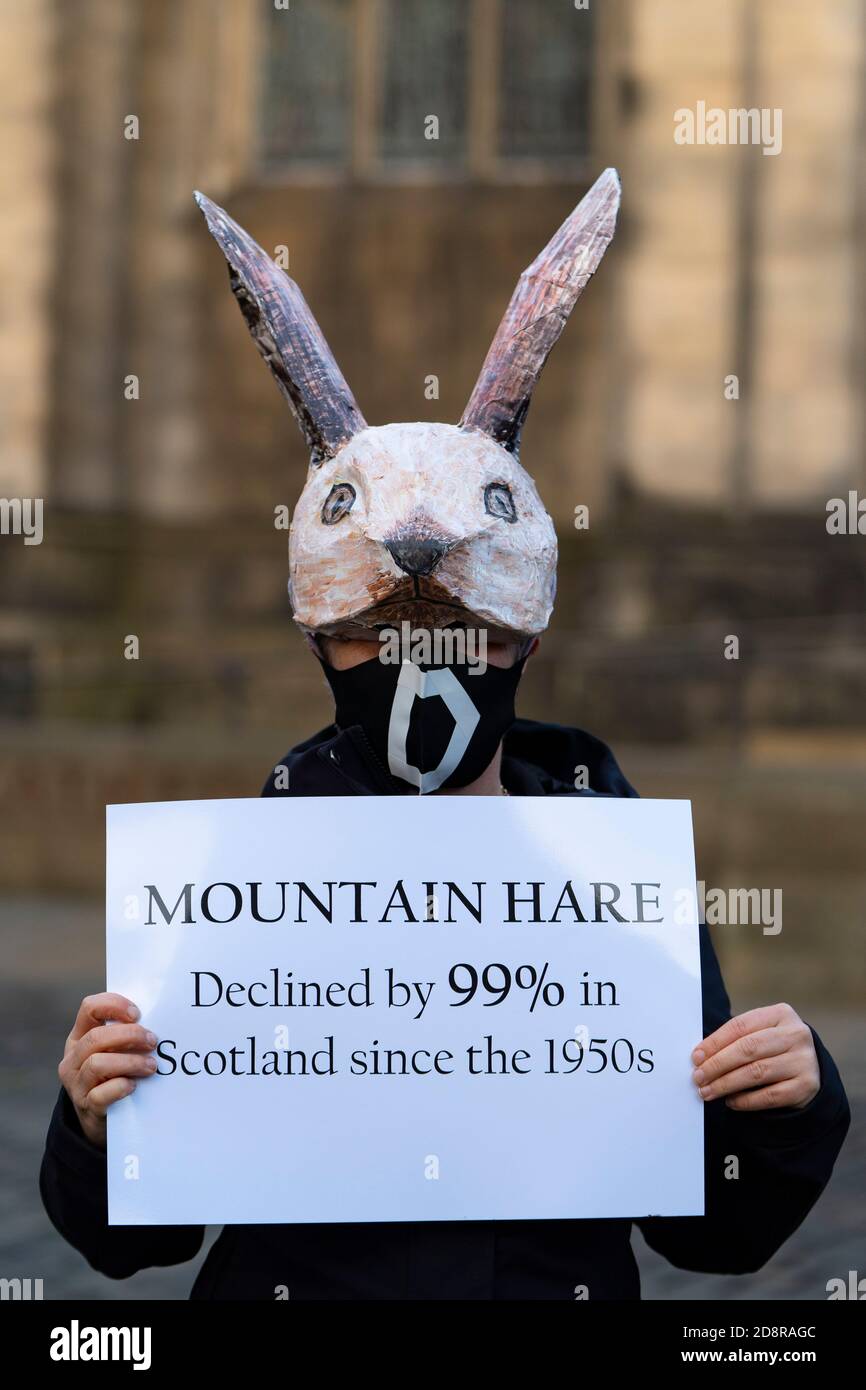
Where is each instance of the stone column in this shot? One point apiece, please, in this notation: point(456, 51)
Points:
point(27, 241)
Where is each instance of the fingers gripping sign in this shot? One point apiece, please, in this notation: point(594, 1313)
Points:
point(105, 1054)
point(764, 1059)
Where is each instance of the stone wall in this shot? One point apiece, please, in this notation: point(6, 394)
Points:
point(707, 515)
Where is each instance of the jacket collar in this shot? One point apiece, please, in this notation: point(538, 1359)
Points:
point(537, 760)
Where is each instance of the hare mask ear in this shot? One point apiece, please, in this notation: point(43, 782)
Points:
point(288, 337)
point(546, 293)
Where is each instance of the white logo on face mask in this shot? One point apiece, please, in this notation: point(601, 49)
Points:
point(415, 684)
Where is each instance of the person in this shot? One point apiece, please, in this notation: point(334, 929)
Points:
point(439, 530)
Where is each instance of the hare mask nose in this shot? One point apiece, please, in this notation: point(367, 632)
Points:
point(418, 557)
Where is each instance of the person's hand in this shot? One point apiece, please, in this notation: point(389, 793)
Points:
point(761, 1060)
point(104, 1055)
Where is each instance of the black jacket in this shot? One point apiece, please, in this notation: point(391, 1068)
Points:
point(786, 1156)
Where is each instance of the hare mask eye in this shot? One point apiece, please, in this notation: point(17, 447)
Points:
point(499, 502)
point(338, 502)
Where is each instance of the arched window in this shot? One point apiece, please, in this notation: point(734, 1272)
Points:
point(426, 88)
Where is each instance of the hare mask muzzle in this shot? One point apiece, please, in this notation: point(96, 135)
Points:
point(432, 522)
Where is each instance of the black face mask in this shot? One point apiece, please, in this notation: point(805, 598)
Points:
point(430, 726)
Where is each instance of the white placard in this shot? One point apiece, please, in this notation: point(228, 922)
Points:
point(406, 1061)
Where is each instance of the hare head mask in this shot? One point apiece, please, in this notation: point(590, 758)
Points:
point(436, 523)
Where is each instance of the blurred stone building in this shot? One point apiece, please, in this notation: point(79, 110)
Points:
point(409, 158)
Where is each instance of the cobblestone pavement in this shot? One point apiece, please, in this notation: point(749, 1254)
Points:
point(52, 955)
